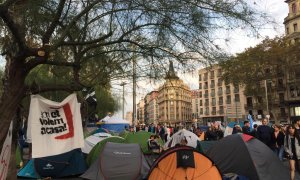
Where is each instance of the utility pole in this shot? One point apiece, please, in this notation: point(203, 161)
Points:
point(134, 89)
point(266, 90)
point(123, 84)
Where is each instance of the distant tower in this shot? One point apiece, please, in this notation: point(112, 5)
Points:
point(171, 73)
point(292, 21)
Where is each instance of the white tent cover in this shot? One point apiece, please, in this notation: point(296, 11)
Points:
point(92, 140)
point(178, 136)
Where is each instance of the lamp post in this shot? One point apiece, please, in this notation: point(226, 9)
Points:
point(266, 91)
point(123, 84)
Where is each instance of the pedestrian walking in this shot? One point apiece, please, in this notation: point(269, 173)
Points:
point(292, 149)
point(265, 133)
point(278, 141)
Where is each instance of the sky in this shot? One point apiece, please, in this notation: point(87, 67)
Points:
point(239, 41)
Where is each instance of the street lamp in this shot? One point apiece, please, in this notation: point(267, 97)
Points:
point(123, 84)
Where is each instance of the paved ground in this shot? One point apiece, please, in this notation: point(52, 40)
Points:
point(286, 164)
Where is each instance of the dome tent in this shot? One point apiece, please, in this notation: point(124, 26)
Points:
point(183, 162)
point(95, 152)
point(247, 156)
point(118, 161)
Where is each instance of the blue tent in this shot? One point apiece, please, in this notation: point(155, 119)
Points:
point(63, 165)
point(115, 124)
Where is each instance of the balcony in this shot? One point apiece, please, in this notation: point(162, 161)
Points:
point(214, 112)
point(212, 85)
point(228, 102)
point(227, 91)
point(213, 103)
point(206, 112)
point(221, 111)
point(206, 103)
point(205, 78)
point(205, 86)
point(212, 94)
point(220, 102)
point(220, 83)
point(206, 95)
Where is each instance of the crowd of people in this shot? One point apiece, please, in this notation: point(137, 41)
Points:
point(283, 140)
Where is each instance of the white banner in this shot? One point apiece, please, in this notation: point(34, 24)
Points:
point(54, 128)
point(5, 154)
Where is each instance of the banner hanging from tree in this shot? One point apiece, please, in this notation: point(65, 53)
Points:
point(54, 128)
point(5, 154)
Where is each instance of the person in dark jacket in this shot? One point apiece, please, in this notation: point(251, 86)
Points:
point(265, 133)
point(254, 131)
point(278, 141)
point(246, 128)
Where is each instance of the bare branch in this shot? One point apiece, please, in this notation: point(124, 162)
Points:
point(54, 22)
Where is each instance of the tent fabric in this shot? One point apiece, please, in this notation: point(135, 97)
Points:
point(118, 161)
point(92, 140)
point(141, 138)
point(166, 166)
point(191, 138)
point(115, 127)
point(233, 154)
point(204, 146)
point(28, 171)
point(115, 120)
point(95, 152)
point(63, 165)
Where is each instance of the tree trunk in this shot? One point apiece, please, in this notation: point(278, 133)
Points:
point(13, 93)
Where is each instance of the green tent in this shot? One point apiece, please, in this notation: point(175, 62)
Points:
point(94, 153)
point(140, 138)
point(123, 134)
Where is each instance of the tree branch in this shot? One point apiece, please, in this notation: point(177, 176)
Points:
point(54, 87)
point(54, 22)
point(12, 26)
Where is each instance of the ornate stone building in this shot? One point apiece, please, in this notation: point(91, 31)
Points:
point(174, 100)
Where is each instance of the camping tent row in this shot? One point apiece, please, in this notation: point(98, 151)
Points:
point(235, 154)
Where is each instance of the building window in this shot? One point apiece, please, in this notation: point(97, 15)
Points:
point(212, 84)
point(249, 102)
point(295, 27)
point(200, 103)
point(212, 75)
point(213, 101)
point(227, 89)
point(297, 111)
point(200, 85)
point(294, 8)
point(200, 77)
point(287, 31)
point(220, 100)
point(237, 98)
point(219, 82)
point(228, 100)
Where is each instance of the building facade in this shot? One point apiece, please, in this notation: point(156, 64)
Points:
point(128, 117)
point(174, 100)
point(216, 100)
point(291, 76)
point(140, 114)
point(152, 108)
